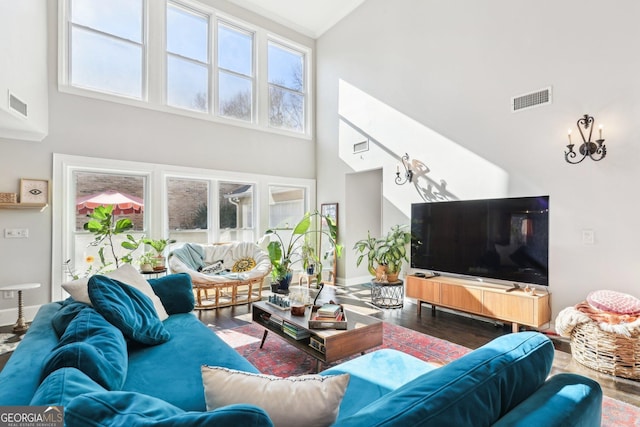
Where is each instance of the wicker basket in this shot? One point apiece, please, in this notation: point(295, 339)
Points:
point(606, 352)
point(8, 197)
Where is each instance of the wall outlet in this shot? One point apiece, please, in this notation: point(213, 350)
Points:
point(7, 294)
point(588, 237)
point(16, 233)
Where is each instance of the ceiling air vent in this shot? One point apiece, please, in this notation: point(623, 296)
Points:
point(17, 105)
point(531, 100)
point(359, 147)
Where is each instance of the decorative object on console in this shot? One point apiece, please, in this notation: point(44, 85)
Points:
point(34, 191)
point(408, 173)
point(8, 198)
point(595, 150)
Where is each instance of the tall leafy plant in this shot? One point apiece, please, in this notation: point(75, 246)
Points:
point(285, 253)
point(105, 228)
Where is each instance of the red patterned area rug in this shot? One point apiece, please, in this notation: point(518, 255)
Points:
point(281, 359)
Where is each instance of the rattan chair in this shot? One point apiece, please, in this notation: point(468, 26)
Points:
point(242, 268)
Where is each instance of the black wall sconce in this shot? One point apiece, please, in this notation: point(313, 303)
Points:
point(408, 173)
point(595, 150)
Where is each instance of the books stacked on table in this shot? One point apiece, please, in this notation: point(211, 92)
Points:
point(329, 312)
point(327, 316)
point(294, 332)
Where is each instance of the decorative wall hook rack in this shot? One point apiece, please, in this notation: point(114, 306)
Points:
point(595, 150)
point(408, 173)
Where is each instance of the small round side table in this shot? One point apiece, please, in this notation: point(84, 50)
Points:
point(20, 326)
point(155, 273)
point(387, 295)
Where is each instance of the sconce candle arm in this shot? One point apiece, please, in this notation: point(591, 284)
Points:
point(594, 150)
point(408, 173)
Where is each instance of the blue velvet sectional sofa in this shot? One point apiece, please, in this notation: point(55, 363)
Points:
point(72, 357)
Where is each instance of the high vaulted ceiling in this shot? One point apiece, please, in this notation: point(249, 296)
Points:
point(309, 17)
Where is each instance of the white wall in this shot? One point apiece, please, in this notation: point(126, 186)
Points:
point(430, 77)
point(23, 43)
point(93, 128)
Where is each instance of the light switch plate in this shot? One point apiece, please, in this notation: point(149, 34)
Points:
point(16, 233)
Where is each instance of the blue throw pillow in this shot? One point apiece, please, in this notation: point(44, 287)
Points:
point(175, 291)
point(127, 309)
point(131, 409)
point(95, 347)
point(63, 385)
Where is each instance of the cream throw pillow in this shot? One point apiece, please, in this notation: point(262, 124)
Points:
point(307, 400)
point(78, 289)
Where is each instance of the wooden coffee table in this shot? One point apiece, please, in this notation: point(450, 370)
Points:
point(362, 333)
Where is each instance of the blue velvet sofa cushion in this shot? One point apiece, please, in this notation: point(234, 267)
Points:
point(127, 309)
point(548, 406)
point(62, 386)
point(68, 312)
point(95, 347)
point(192, 345)
point(175, 292)
point(130, 409)
point(477, 389)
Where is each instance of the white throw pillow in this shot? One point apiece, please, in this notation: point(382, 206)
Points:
point(307, 400)
point(126, 274)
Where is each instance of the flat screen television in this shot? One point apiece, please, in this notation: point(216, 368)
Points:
point(504, 239)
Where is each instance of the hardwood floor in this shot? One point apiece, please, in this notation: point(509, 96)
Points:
point(471, 332)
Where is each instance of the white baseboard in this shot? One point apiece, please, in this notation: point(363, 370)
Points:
point(9, 316)
point(352, 281)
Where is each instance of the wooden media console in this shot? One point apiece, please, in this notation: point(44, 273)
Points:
point(493, 301)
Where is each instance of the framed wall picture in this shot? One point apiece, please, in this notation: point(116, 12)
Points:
point(330, 210)
point(34, 191)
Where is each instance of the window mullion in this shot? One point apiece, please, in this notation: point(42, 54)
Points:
point(155, 52)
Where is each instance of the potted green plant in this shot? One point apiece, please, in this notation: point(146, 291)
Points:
point(283, 254)
point(368, 248)
point(392, 250)
point(309, 258)
point(146, 261)
point(103, 225)
point(385, 255)
point(159, 245)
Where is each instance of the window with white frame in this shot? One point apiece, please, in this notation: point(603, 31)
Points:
point(188, 70)
point(107, 46)
point(236, 211)
point(185, 57)
point(235, 72)
point(231, 205)
point(287, 205)
point(188, 209)
point(287, 87)
point(125, 193)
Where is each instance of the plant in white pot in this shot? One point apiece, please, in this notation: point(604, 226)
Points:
point(159, 245)
point(283, 254)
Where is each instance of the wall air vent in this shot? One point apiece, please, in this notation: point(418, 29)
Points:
point(17, 105)
point(359, 147)
point(531, 100)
